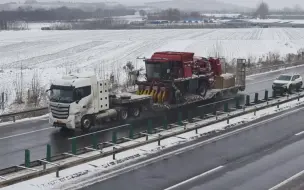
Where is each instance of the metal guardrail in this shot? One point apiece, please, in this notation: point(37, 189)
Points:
point(13, 115)
point(248, 107)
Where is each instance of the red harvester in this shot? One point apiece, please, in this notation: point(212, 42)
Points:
point(172, 75)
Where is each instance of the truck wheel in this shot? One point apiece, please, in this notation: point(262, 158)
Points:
point(135, 112)
point(123, 114)
point(86, 123)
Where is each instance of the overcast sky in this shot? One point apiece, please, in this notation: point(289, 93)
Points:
point(247, 3)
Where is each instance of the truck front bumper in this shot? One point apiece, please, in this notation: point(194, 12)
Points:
point(69, 123)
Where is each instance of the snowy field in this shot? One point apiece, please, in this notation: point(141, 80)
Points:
point(53, 53)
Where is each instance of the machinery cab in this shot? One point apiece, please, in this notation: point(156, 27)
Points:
point(169, 66)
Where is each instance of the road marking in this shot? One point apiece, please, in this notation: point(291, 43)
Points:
point(26, 133)
point(300, 133)
point(42, 119)
point(259, 81)
point(194, 178)
point(175, 152)
point(287, 180)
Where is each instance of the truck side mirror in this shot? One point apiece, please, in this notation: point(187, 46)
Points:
point(48, 92)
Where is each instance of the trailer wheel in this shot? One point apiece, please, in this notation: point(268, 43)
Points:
point(123, 114)
point(135, 112)
point(86, 123)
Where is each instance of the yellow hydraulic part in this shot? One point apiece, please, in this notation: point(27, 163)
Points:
point(153, 94)
point(159, 97)
point(140, 90)
point(163, 97)
point(146, 92)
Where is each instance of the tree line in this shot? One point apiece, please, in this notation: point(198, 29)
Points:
point(171, 15)
point(263, 11)
point(62, 13)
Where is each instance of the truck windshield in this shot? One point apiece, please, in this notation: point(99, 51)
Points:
point(284, 77)
point(62, 94)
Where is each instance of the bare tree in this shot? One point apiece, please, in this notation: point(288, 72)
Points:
point(195, 15)
point(18, 84)
point(300, 53)
point(262, 10)
point(216, 51)
point(297, 8)
point(18, 89)
point(289, 58)
point(142, 13)
point(34, 93)
point(128, 68)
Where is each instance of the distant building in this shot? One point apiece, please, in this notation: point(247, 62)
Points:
point(223, 16)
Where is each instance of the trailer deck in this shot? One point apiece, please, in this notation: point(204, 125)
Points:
point(127, 98)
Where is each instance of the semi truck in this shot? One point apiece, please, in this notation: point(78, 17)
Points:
point(172, 80)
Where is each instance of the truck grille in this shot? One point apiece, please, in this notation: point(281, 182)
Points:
point(60, 111)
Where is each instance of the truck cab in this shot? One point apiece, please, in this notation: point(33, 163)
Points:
point(79, 100)
point(75, 98)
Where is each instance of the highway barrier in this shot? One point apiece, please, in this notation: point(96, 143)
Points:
point(15, 114)
point(226, 114)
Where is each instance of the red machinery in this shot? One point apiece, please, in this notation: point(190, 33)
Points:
point(171, 75)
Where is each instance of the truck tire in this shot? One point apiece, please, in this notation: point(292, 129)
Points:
point(135, 112)
point(123, 114)
point(86, 123)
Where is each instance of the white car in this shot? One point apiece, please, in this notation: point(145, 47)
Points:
point(287, 83)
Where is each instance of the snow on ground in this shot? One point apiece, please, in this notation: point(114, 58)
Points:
point(268, 21)
point(53, 53)
point(38, 26)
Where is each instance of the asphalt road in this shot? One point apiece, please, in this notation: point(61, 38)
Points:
point(35, 134)
point(259, 158)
